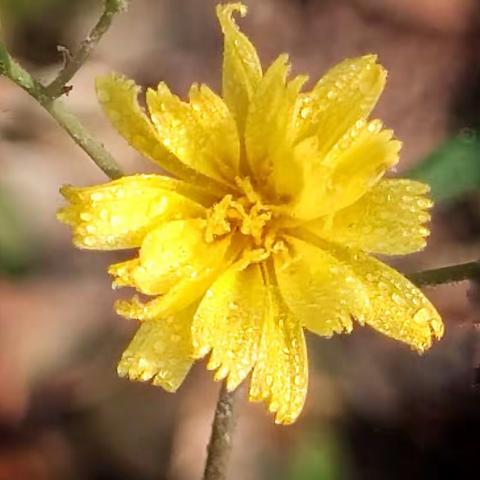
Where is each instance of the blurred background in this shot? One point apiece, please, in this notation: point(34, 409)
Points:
point(375, 410)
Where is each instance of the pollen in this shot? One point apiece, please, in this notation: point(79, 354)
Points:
point(243, 215)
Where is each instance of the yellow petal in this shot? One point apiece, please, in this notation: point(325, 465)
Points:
point(175, 262)
point(389, 219)
point(323, 293)
point(118, 97)
point(169, 254)
point(280, 376)
point(160, 352)
point(270, 131)
point(346, 94)
point(202, 133)
point(398, 308)
point(241, 67)
point(228, 323)
point(353, 166)
point(119, 214)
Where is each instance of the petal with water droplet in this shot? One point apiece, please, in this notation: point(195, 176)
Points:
point(118, 97)
point(201, 133)
point(389, 219)
point(160, 352)
point(228, 323)
point(175, 262)
point(346, 94)
point(346, 173)
point(280, 376)
point(398, 308)
point(322, 292)
point(270, 132)
point(119, 214)
point(242, 71)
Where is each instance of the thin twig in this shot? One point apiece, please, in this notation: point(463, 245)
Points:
point(69, 122)
point(220, 443)
point(451, 274)
point(59, 85)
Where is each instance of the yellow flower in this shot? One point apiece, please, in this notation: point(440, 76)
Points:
point(266, 230)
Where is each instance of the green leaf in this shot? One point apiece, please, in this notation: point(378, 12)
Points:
point(452, 170)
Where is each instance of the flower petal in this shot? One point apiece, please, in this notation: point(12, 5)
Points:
point(270, 131)
point(398, 308)
point(280, 376)
point(119, 214)
point(323, 293)
point(389, 219)
point(170, 253)
point(118, 97)
point(202, 133)
point(353, 166)
point(242, 71)
point(160, 352)
point(228, 323)
point(175, 262)
point(347, 93)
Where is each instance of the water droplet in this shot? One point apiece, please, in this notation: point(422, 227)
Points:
point(359, 124)
point(422, 315)
point(424, 203)
point(274, 406)
point(115, 220)
point(221, 373)
point(305, 112)
point(397, 298)
point(89, 241)
point(96, 196)
point(374, 126)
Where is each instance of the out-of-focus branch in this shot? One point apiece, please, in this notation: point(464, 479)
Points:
point(73, 63)
point(47, 96)
point(67, 120)
point(451, 274)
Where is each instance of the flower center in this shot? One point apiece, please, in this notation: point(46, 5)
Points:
point(245, 214)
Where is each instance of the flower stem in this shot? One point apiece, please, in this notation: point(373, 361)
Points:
point(55, 107)
point(220, 444)
point(451, 274)
point(59, 85)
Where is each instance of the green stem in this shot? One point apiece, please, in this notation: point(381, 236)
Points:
point(59, 85)
point(450, 274)
point(69, 122)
